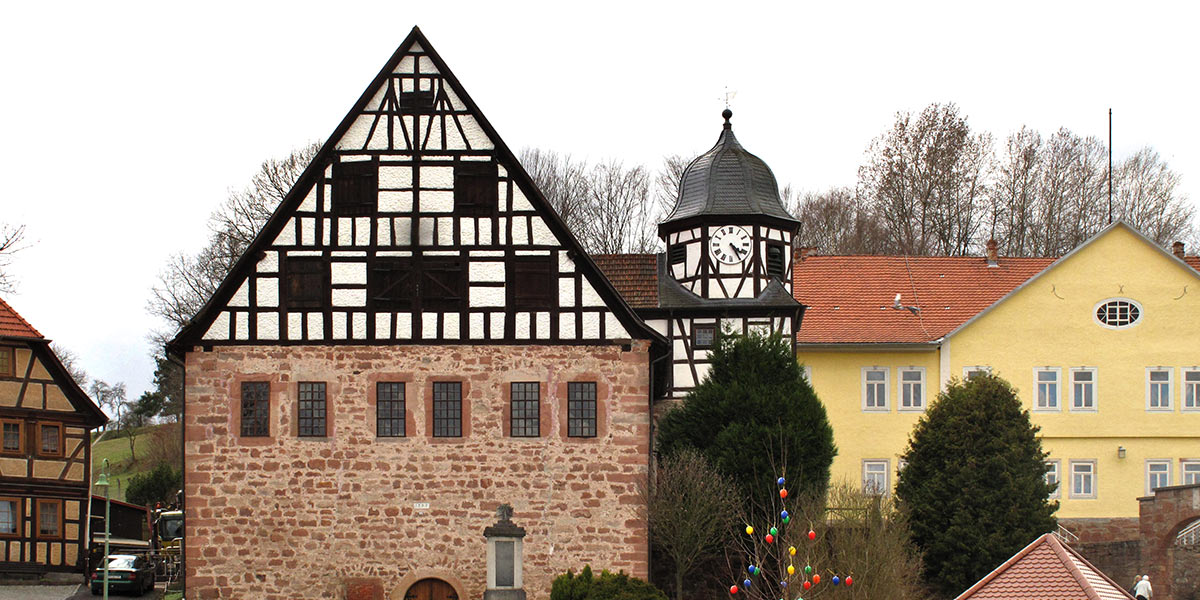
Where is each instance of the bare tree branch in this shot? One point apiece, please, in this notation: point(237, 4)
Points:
point(12, 240)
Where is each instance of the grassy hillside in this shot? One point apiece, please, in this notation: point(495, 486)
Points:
point(114, 446)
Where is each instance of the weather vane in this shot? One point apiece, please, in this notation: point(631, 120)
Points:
point(729, 96)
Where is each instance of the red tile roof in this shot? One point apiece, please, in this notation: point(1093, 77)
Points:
point(851, 298)
point(1046, 569)
point(635, 276)
point(12, 325)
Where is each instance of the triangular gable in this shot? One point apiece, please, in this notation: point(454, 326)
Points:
point(1046, 568)
point(92, 415)
point(1078, 249)
point(424, 135)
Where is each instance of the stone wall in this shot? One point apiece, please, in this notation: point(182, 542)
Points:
point(1094, 531)
point(289, 517)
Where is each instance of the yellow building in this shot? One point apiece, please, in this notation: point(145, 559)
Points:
point(1101, 344)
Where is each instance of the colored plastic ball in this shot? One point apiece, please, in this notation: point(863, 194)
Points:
point(785, 520)
point(751, 569)
point(770, 539)
point(783, 514)
point(792, 550)
point(733, 589)
point(816, 579)
point(812, 535)
point(807, 569)
point(849, 581)
point(780, 481)
point(791, 570)
point(746, 582)
point(783, 493)
point(774, 531)
point(836, 580)
point(782, 584)
point(807, 584)
point(749, 530)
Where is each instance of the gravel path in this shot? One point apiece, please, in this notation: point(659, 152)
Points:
point(40, 592)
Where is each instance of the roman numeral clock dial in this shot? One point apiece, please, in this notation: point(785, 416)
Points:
point(730, 245)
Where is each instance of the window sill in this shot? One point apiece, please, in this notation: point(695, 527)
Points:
point(881, 409)
point(917, 409)
point(1085, 410)
point(1047, 410)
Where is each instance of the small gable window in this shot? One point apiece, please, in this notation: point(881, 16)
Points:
point(531, 283)
point(704, 336)
point(416, 101)
point(306, 282)
point(390, 284)
point(443, 284)
point(1118, 313)
point(775, 261)
point(476, 188)
point(355, 187)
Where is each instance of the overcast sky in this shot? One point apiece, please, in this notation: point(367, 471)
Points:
point(125, 124)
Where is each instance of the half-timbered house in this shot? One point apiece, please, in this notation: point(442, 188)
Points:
point(45, 454)
point(728, 262)
point(413, 339)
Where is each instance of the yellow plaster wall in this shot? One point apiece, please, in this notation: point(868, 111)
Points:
point(859, 434)
point(9, 391)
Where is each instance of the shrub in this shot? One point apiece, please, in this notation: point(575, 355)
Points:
point(608, 586)
point(159, 485)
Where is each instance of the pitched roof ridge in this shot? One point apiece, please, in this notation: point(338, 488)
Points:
point(1003, 567)
point(1063, 555)
point(6, 308)
point(1075, 553)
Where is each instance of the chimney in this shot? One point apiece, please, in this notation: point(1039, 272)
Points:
point(804, 252)
point(1177, 250)
point(993, 259)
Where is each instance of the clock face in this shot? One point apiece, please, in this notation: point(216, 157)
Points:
point(730, 245)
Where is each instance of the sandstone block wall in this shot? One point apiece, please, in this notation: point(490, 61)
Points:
point(289, 517)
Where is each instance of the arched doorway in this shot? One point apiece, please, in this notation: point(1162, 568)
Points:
point(431, 589)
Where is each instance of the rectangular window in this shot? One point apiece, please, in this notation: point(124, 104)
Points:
point(1083, 479)
point(1158, 474)
point(678, 254)
point(311, 413)
point(1191, 471)
point(306, 282)
point(581, 409)
point(416, 101)
point(391, 284)
point(1083, 389)
point(13, 440)
point(532, 283)
point(256, 409)
point(1046, 381)
point(8, 366)
point(10, 516)
point(1158, 389)
point(703, 336)
point(49, 518)
point(51, 440)
point(1053, 476)
point(912, 388)
point(970, 373)
point(875, 477)
point(526, 409)
point(389, 409)
point(476, 188)
point(775, 261)
point(1191, 389)
point(443, 284)
point(355, 187)
point(447, 409)
point(875, 388)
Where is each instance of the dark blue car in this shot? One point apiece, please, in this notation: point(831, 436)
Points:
point(126, 573)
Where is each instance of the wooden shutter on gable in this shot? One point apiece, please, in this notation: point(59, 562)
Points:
point(443, 284)
point(476, 188)
point(306, 282)
point(391, 284)
point(531, 283)
point(355, 188)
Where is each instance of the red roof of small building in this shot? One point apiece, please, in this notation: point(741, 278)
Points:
point(13, 325)
point(635, 276)
point(851, 299)
point(1046, 569)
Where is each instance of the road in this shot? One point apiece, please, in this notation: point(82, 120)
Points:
point(62, 592)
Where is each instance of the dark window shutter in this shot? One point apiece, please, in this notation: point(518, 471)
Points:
point(390, 284)
point(416, 101)
point(775, 261)
point(476, 188)
point(306, 282)
point(443, 284)
point(355, 188)
point(678, 254)
point(531, 283)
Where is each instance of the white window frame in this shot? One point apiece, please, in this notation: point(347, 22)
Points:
point(807, 370)
point(879, 467)
point(1189, 468)
point(1185, 386)
point(1095, 479)
point(1037, 389)
point(904, 385)
point(1096, 318)
point(1170, 407)
point(1157, 462)
point(1056, 471)
point(886, 407)
point(1095, 407)
point(971, 369)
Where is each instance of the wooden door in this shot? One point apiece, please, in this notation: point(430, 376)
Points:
point(431, 589)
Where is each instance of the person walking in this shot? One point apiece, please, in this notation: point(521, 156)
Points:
point(1142, 590)
point(1133, 588)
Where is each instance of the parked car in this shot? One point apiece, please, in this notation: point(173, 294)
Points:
point(126, 573)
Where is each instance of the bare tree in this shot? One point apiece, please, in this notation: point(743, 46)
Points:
point(563, 181)
point(70, 361)
point(691, 510)
point(667, 182)
point(836, 221)
point(109, 397)
point(1145, 194)
point(926, 179)
point(12, 240)
point(189, 280)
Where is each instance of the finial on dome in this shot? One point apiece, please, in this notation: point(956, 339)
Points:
point(727, 113)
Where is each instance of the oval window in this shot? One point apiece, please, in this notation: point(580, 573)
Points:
point(1118, 313)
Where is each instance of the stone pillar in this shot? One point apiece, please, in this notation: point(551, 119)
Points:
point(504, 557)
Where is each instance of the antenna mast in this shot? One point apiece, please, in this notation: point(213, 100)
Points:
point(1110, 166)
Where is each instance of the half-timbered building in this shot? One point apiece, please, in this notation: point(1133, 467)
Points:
point(728, 262)
point(413, 339)
point(45, 454)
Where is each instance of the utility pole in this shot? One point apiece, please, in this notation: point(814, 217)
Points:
point(1110, 174)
